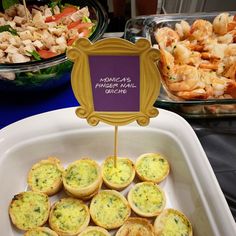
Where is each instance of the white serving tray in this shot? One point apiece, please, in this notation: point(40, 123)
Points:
point(191, 186)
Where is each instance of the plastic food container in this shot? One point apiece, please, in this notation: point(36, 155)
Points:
point(46, 74)
point(190, 187)
point(145, 26)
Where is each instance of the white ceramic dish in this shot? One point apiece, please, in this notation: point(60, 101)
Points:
point(191, 186)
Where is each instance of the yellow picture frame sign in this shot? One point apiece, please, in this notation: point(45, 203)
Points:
point(116, 48)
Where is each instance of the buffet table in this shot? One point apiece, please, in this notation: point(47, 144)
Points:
point(217, 136)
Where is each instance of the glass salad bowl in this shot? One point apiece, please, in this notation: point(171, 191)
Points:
point(47, 74)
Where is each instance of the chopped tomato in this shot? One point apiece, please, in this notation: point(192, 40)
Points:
point(85, 32)
point(69, 10)
point(84, 25)
point(65, 12)
point(231, 26)
point(74, 24)
point(71, 41)
point(45, 54)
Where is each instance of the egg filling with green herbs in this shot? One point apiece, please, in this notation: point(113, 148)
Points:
point(173, 223)
point(44, 176)
point(29, 210)
point(121, 174)
point(69, 215)
point(109, 209)
point(81, 174)
point(147, 197)
point(152, 167)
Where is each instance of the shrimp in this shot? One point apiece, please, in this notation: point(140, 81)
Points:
point(166, 37)
point(230, 50)
point(194, 94)
point(231, 89)
point(185, 83)
point(231, 72)
point(226, 39)
point(229, 67)
point(215, 85)
point(220, 23)
point(183, 29)
point(167, 62)
point(183, 55)
point(231, 26)
point(185, 72)
point(199, 62)
point(209, 66)
point(201, 29)
point(184, 78)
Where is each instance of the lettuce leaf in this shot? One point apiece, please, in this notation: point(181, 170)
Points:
point(8, 3)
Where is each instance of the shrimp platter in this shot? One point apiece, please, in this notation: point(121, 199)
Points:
point(198, 57)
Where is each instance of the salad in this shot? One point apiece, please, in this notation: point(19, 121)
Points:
point(41, 32)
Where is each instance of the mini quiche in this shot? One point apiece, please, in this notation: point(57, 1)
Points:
point(94, 231)
point(147, 199)
point(41, 231)
point(152, 167)
point(118, 177)
point(46, 176)
point(172, 222)
point(86, 198)
point(109, 209)
point(82, 177)
point(28, 210)
point(136, 226)
point(69, 216)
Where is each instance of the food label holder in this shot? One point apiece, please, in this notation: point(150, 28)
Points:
point(115, 81)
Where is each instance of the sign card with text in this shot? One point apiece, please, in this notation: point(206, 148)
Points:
point(115, 86)
point(115, 81)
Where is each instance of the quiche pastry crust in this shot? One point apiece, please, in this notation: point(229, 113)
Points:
point(69, 216)
point(82, 177)
point(172, 221)
point(147, 199)
point(152, 167)
point(118, 177)
point(41, 231)
point(46, 176)
point(94, 230)
point(85, 198)
point(109, 209)
point(136, 226)
point(29, 209)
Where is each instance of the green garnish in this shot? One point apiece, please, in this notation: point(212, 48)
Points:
point(8, 28)
point(53, 3)
point(176, 221)
point(85, 19)
point(35, 55)
point(8, 3)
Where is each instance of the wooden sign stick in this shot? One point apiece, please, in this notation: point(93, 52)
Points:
point(115, 146)
point(26, 12)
